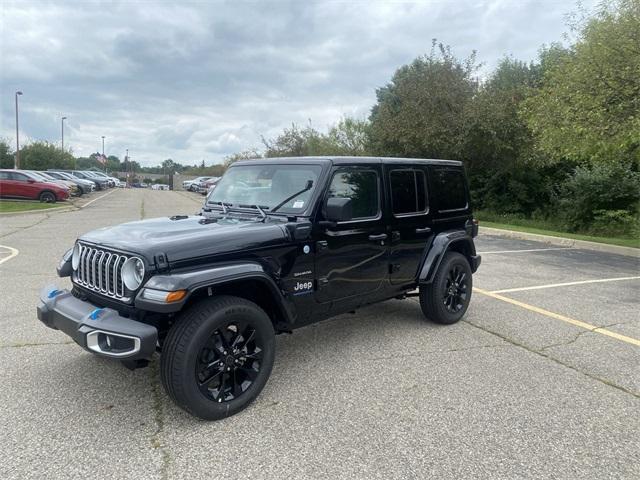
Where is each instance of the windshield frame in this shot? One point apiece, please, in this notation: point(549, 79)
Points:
point(316, 190)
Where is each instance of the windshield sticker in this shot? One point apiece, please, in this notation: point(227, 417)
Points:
point(298, 204)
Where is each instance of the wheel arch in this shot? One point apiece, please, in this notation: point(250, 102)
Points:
point(453, 240)
point(245, 280)
point(46, 190)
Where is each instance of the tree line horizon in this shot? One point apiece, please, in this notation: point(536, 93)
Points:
point(556, 139)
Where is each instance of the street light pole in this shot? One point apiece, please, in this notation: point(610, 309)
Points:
point(16, 164)
point(62, 123)
point(103, 157)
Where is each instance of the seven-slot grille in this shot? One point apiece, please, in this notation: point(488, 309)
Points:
point(101, 271)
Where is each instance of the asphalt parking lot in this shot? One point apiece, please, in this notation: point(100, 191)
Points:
point(541, 379)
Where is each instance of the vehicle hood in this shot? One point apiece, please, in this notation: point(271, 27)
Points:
point(187, 238)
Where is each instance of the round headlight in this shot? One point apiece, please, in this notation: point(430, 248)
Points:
point(75, 257)
point(133, 273)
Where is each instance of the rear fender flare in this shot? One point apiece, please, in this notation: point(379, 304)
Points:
point(441, 244)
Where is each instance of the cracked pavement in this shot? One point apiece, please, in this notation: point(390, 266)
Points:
point(507, 393)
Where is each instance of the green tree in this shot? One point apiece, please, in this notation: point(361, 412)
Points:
point(6, 155)
point(243, 155)
point(294, 142)
point(348, 137)
point(423, 111)
point(44, 155)
point(588, 108)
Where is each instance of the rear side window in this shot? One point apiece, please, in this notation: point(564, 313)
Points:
point(20, 177)
point(408, 192)
point(449, 189)
point(361, 186)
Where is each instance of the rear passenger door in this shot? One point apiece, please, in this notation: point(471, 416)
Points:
point(23, 186)
point(409, 220)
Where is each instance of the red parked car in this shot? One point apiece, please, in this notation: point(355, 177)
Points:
point(21, 184)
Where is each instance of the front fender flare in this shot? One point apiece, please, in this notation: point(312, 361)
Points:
point(195, 280)
point(437, 250)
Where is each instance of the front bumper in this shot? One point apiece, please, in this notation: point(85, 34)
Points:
point(102, 331)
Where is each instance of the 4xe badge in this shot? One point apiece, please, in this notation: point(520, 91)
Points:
point(303, 288)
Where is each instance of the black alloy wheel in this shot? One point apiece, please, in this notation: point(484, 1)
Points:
point(229, 362)
point(455, 291)
point(446, 299)
point(218, 356)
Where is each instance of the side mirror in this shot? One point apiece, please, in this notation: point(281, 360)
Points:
point(338, 209)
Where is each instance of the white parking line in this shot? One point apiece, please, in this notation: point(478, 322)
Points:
point(567, 284)
point(524, 251)
point(98, 198)
point(13, 252)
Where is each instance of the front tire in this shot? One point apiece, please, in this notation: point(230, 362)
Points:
point(218, 357)
point(447, 298)
point(47, 197)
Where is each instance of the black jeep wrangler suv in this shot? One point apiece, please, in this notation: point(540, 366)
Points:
point(279, 244)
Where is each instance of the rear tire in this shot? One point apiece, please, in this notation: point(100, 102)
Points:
point(47, 197)
point(447, 298)
point(218, 356)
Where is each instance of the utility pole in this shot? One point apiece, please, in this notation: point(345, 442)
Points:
point(16, 164)
point(62, 122)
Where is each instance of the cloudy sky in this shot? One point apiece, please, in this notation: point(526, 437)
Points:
point(194, 81)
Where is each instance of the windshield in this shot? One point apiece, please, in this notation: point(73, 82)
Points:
point(66, 176)
point(36, 176)
point(266, 186)
point(46, 176)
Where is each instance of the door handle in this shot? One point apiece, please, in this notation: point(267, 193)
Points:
point(423, 230)
point(377, 238)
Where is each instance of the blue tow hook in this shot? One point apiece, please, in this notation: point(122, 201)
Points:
point(54, 293)
point(96, 313)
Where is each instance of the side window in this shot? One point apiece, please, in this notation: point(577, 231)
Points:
point(408, 192)
point(450, 189)
point(361, 186)
point(20, 177)
point(4, 175)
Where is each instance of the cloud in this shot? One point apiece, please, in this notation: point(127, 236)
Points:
point(195, 81)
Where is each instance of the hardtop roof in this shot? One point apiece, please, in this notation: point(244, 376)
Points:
point(338, 160)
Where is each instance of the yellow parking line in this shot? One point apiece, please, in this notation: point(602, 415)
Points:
point(557, 316)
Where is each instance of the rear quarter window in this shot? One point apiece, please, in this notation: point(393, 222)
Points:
point(449, 189)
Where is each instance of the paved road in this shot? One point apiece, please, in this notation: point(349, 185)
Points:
point(535, 383)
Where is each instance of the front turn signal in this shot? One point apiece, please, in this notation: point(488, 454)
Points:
point(175, 296)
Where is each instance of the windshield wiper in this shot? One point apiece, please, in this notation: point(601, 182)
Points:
point(262, 214)
point(288, 199)
point(223, 205)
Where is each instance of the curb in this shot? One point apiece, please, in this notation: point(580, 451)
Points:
point(562, 241)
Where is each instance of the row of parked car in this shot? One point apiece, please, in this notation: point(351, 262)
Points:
point(201, 185)
point(53, 185)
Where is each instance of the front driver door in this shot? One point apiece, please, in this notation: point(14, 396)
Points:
point(351, 257)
